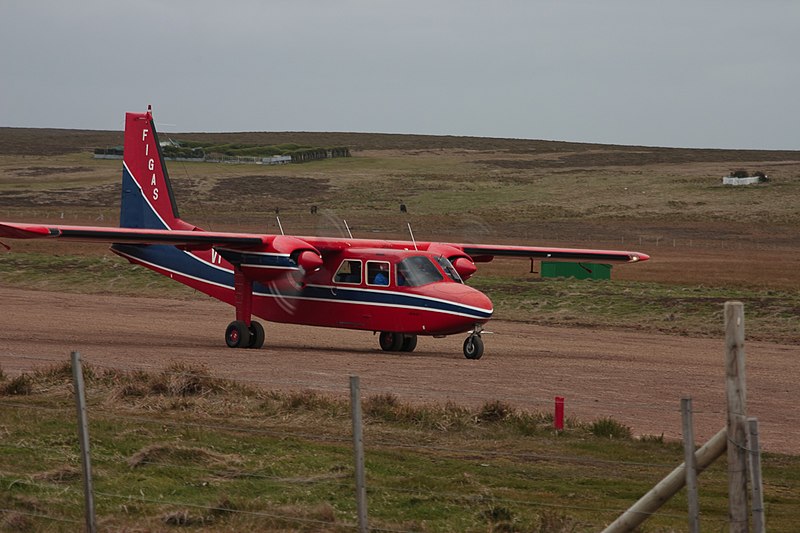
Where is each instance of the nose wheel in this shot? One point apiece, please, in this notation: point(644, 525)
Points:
point(473, 345)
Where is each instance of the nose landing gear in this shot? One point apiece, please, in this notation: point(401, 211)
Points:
point(473, 346)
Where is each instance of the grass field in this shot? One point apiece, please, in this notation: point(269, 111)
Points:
point(182, 448)
point(708, 244)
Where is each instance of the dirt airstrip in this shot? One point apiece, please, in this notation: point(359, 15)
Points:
point(634, 377)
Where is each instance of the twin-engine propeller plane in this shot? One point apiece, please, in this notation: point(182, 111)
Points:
point(401, 289)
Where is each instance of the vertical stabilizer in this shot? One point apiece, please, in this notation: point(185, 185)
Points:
point(147, 199)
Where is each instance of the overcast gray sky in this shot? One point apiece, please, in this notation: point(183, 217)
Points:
point(722, 74)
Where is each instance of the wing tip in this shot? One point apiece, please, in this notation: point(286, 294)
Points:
point(24, 231)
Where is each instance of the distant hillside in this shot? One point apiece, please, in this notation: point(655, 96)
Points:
point(35, 141)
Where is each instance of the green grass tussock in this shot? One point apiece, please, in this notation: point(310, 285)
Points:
point(611, 429)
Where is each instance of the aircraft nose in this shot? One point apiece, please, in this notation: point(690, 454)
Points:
point(478, 303)
point(475, 298)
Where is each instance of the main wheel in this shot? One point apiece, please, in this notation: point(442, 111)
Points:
point(237, 335)
point(473, 347)
point(409, 343)
point(391, 342)
point(256, 335)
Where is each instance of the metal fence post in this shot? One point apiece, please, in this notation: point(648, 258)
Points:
point(358, 450)
point(83, 437)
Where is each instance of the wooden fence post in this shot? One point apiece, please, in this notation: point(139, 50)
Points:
point(736, 393)
point(358, 450)
point(759, 524)
point(83, 437)
point(691, 465)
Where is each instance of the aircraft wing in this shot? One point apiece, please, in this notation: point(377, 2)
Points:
point(206, 239)
point(481, 253)
point(192, 239)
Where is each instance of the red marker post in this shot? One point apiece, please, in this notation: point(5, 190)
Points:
point(558, 419)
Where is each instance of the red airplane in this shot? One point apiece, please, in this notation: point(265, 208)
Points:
point(401, 289)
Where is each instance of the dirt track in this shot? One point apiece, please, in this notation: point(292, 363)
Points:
point(634, 377)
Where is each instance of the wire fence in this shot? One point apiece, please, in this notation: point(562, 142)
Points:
point(315, 483)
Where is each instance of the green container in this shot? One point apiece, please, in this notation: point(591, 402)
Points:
point(575, 270)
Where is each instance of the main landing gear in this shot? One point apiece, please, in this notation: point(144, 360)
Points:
point(397, 342)
point(243, 332)
point(239, 335)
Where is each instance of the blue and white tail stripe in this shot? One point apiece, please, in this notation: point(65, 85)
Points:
point(136, 211)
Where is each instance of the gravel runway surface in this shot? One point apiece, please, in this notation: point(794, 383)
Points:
point(636, 378)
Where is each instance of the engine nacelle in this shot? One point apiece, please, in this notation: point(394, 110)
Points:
point(284, 254)
point(461, 262)
point(308, 260)
point(465, 267)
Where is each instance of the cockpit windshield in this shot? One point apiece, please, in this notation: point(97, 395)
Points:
point(417, 271)
point(449, 269)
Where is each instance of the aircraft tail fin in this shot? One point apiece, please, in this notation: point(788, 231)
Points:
point(147, 199)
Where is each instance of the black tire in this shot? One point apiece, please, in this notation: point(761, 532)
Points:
point(473, 347)
point(256, 335)
point(391, 342)
point(409, 343)
point(237, 335)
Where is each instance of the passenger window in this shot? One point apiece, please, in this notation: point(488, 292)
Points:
point(349, 272)
point(378, 273)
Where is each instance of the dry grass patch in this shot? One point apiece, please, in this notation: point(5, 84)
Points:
point(65, 474)
point(183, 455)
point(177, 380)
point(21, 385)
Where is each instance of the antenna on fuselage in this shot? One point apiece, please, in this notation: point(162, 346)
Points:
point(347, 228)
point(412, 236)
point(280, 226)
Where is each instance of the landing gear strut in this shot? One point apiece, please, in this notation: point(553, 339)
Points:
point(243, 332)
point(473, 346)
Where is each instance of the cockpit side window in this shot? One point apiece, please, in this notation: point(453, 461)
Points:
point(378, 273)
point(416, 271)
point(449, 269)
point(349, 272)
